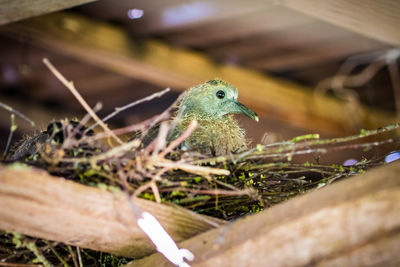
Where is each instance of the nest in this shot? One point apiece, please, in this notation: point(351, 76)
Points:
point(225, 187)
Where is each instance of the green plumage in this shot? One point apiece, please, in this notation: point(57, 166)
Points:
point(211, 105)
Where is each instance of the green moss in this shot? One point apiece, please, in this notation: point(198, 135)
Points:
point(305, 137)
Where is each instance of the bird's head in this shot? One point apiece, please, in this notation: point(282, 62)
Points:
point(215, 99)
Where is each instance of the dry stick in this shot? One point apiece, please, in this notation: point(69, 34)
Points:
point(363, 134)
point(199, 170)
point(114, 152)
point(177, 118)
point(87, 117)
point(144, 187)
point(157, 144)
point(78, 251)
point(51, 246)
point(69, 142)
point(73, 256)
point(16, 112)
point(161, 139)
point(323, 150)
point(72, 89)
point(189, 130)
point(120, 109)
point(13, 128)
point(237, 192)
point(279, 151)
point(136, 127)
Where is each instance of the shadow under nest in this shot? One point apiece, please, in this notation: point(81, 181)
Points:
point(225, 187)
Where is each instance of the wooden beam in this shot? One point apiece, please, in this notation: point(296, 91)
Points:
point(263, 21)
point(376, 19)
point(40, 205)
point(324, 51)
point(155, 62)
point(354, 222)
point(270, 42)
point(15, 10)
point(167, 16)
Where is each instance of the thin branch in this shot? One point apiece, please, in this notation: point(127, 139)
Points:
point(72, 89)
point(13, 128)
point(16, 112)
point(189, 130)
point(137, 102)
point(72, 253)
point(78, 252)
point(200, 170)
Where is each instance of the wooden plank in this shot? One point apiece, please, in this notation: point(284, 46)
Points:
point(172, 15)
point(376, 19)
point(261, 21)
point(289, 38)
point(15, 10)
point(53, 208)
point(354, 222)
point(321, 52)
point(157, 63)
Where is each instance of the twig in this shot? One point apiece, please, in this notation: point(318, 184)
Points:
point(176, 119)
point(161, 139)
point(189, 130)
point(13, 128)
point(57, 255)
point(78, 251)
point(236, 192)
point(16, 112)
point(149, 123)
point(87, 117)
point(200, 170)
point(137, 102)
point(269, 151)
point(114, 152)
point(73, 256)
point(72, 89)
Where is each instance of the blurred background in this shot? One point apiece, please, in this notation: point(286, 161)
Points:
point(305, 66)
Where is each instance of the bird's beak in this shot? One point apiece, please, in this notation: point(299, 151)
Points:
point(246, 111)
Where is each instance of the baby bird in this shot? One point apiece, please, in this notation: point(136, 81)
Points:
point(212, 104)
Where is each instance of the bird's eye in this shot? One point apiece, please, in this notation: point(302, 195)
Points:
point(220, 94)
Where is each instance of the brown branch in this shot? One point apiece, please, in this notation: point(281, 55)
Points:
point(16, 112)
point(137, 102)
point(72, 89)
point(189, 130)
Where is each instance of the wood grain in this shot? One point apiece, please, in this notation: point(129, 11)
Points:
point(40, 205)
point(376, 19)
point(15, 10)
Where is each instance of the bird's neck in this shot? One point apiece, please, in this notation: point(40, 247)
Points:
point(215, 135)
point(201, 116)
